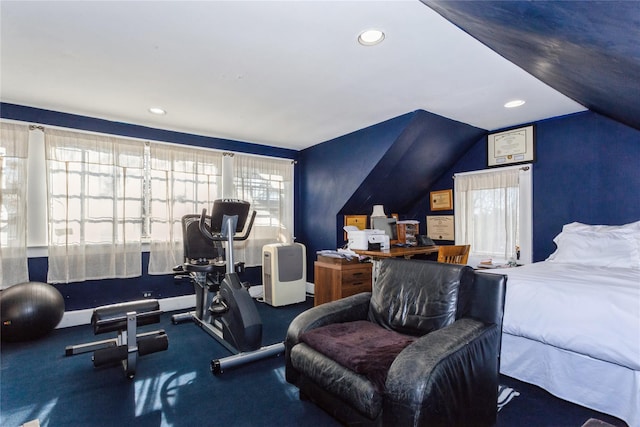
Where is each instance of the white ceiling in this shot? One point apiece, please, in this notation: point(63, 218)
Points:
point(282, 73)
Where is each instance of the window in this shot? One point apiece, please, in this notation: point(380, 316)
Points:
point(182, 181)
point(92, 179)
point(95, 188)
point(267, 184)
point(493, 213)
point(13, 203)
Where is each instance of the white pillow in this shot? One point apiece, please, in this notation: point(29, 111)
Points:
point(614, 248)
point(578, 226)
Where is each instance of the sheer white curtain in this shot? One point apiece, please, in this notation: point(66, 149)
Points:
point(95, 200)
point(488, 212)
point(266, 183)
point(182, 181)
point(14, 143)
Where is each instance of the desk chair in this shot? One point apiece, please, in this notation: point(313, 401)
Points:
point(454, 254)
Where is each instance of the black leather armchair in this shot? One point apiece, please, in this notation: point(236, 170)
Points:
point(421, 349)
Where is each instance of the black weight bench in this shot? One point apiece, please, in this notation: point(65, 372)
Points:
point(125, 348)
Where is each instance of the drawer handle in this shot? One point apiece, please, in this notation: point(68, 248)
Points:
point(357, 283)
point(359, 273)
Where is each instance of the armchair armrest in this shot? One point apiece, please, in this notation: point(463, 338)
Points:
point(351, 308)
point(489, 291)
point(447, 377)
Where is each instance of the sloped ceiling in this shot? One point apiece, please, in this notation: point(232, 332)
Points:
point(428, 146)
point(587, 50)
point(287, 74)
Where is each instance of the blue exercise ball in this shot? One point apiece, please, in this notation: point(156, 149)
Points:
point(29, 310)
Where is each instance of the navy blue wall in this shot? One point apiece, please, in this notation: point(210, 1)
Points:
point(330, 173)
point(587, 170)
point(392, 163)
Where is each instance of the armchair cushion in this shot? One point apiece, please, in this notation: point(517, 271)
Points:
point(361, 346)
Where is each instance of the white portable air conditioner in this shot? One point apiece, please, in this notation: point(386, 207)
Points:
point(284, 273)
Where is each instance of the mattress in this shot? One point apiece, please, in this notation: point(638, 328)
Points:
point(593, 311)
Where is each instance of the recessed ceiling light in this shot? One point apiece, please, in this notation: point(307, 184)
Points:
point(370, 37)
point(515, 103)
point(157, 110)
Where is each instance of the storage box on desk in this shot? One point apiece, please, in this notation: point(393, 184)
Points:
point(407, 232)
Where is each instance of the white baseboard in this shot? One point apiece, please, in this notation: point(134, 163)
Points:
point(83, 317)
point(178, 303)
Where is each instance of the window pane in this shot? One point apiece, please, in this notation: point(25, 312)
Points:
point(488, 213)
point(95, 206)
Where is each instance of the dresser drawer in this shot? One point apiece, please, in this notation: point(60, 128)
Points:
point(356, 275)
point(355, 288)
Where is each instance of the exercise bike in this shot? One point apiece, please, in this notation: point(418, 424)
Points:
point(224, 307)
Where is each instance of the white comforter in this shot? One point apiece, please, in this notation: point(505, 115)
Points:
point(589, 310)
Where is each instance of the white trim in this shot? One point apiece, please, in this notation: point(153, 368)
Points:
point(311, 288)
point(185, 302)
point(525, 182)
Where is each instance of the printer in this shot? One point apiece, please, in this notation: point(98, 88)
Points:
point(360, 239)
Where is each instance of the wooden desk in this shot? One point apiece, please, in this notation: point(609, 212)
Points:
point(397, 251)
point(394, 252)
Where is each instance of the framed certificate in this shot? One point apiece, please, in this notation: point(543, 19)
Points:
point(441, 200)
point(511, 147)
point(440, 227)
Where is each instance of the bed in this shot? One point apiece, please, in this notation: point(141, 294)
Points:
point(572, 322)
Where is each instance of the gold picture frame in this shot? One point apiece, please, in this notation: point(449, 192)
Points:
point(441, 200)
point(359, 221)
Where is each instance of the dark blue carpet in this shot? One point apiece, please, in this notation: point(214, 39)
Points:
point(176, 387)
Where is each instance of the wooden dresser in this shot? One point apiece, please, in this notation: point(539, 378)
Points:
point(337, 278)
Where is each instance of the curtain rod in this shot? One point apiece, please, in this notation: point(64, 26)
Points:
point(147, 141)
point(522, 168)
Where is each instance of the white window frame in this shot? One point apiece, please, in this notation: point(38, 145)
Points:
point(525, 219)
